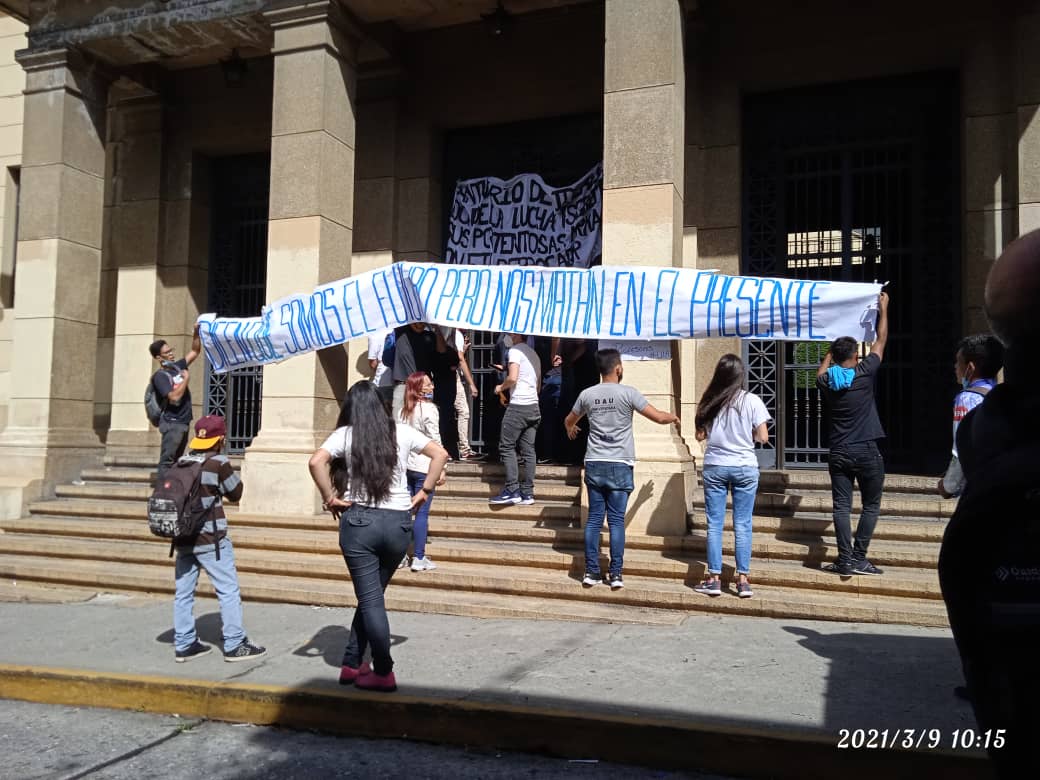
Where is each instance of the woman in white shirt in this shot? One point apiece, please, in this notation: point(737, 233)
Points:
point(731, 420)
point(373, 507)
point(420, 413)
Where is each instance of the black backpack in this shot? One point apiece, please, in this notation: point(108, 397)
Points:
point(175, 509)
point(152, 406)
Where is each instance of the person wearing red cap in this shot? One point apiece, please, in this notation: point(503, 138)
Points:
point(211, 550)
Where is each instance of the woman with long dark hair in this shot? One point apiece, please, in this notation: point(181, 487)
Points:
point(373, 507)
point(731, 420)
point(421, 413)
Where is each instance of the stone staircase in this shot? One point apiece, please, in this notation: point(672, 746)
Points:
point(516, 561)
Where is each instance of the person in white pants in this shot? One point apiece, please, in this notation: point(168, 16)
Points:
point(463, 394)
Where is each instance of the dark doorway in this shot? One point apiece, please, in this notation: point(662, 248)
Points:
point(238, 283)
point(561, 150)
point(859, 182)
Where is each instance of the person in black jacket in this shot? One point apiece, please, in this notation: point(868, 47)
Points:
point(989, 564)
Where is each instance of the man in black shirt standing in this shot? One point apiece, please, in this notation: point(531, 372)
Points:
point(847, 386)
point(171, 386)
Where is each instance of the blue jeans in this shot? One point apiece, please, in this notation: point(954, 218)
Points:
point(718, 480)
point(372, 541)
point(422, 515)
point(608, 484)
point(224, 577)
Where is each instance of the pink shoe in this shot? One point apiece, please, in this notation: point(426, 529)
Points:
point(347, 674)
point(370, 681)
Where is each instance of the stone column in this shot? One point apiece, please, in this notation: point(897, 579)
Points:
point(419, 156)
point(1027, 97)
point(375, 204)
point(132, 256)
point(50, 436)
point(991, 166)
point(309, 242)
point(643, 159)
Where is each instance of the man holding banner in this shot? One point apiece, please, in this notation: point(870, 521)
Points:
point(520, 422)
point(847, 385)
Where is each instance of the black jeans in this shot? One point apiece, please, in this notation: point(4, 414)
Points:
point(174, 440)
point(861, 462)
point(372, 541)
point(519, 427)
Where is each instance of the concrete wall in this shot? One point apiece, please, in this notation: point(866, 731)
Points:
point(736, 48)
point(550, 64)
point(157, 226)
point(12, 82)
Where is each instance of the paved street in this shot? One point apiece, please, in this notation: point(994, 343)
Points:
point(45, 742)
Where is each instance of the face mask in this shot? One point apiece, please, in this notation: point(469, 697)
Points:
point(427, 396)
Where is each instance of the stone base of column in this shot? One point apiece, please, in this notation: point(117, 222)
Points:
point(132, 446)
point(276, 478)
point(33, 462)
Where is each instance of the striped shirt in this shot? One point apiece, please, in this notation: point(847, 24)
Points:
point(218, 481)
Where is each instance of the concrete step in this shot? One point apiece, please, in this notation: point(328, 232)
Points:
point(126, 474)
point(110, 489)
point(820, 501)
point(141, 566)
point(158, 579)
point(64, 540)
point(97, 505)
point(797, 480)
point(916, 543)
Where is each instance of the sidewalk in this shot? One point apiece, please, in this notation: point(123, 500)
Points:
point(725, 694)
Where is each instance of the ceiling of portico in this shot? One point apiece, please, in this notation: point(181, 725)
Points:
point(413, 15)
point(179, 34)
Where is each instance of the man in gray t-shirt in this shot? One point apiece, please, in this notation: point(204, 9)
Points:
point(609, 459)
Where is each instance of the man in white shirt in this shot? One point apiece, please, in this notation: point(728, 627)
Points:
point(520, 422)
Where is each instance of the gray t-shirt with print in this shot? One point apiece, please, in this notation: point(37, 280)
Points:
point(609, 407)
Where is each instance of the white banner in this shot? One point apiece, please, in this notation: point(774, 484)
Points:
point(526, 222)
point(609, 302)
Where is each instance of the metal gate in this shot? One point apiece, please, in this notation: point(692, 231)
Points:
point(859, 182)
point(238, 284)
point(481, 358)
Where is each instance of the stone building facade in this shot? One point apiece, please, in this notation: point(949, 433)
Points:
point(186, 156)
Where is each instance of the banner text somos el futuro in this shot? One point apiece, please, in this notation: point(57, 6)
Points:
point(606, 302)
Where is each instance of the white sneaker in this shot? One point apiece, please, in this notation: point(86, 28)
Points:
point(423, 564)
point(404, 562)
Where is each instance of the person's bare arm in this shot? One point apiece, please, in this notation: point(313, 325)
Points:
point(654, 414)
point(761, 433)
point(196, 346)
point(373, 364)
point(319, 468)
point(178, 391)
point(825, 364)
point(438, 460)
point(571, 424)
point(878, 348)
point(511, 378)
point(467, 373)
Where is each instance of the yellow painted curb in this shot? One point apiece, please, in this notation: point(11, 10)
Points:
point(648, 741)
